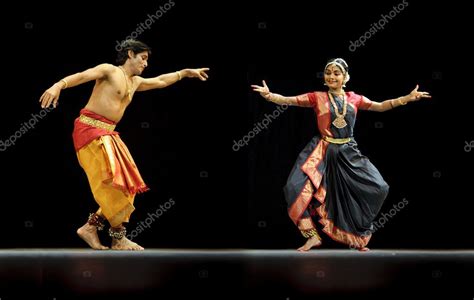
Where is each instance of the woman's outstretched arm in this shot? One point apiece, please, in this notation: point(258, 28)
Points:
point(273, 97)
point(415, 95)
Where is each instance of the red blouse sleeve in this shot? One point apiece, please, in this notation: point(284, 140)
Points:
point(364, 103)
point(306, 100)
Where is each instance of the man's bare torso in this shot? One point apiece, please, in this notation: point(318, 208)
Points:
point(110, 97)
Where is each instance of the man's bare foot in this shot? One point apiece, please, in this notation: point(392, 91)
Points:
point(125, 244)
point(314, 241)
point(89, 234)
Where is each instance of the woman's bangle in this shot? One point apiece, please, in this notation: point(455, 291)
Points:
point(179, 75)
point(401, 102)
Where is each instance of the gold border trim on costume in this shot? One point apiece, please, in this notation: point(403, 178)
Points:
point(335, 140)
point(96, 123)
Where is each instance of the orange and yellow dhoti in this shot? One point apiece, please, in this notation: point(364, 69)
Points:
point(113, 176)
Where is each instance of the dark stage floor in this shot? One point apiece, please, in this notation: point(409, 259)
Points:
point(235, 273)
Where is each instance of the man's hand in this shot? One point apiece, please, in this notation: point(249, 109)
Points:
point(51, 96)
point(197, 73)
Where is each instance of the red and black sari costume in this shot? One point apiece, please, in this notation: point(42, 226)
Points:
point(331, 180)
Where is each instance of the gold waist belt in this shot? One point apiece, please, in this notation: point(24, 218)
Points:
point(96, 123)
point(336, 141)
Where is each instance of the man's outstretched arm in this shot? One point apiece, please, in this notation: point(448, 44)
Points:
point(51, 95)
point(165, 80)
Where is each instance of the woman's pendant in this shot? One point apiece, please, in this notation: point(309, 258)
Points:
point(339, 122)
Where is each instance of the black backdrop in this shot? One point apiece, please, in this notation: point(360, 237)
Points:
point(182, 137)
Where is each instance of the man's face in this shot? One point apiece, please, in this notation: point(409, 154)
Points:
point(139, 62)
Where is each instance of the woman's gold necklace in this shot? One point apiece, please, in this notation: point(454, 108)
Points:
point(339, 121)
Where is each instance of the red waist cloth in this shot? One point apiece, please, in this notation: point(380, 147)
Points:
point(122, 173)
point(83, 134)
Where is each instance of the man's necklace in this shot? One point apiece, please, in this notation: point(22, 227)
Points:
point(129, 91)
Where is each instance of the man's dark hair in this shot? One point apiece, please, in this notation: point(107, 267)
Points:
point(134, 45)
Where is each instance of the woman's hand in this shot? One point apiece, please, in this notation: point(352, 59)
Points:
point(263, 90)
point(416, 95)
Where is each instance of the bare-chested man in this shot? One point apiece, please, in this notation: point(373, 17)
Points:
point(111, 171)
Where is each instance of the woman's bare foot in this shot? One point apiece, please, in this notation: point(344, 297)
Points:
point(314, 241)
point(125, 244)
point(363, 249)
point(89, 234)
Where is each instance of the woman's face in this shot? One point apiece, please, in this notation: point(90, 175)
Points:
point(334, 77)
